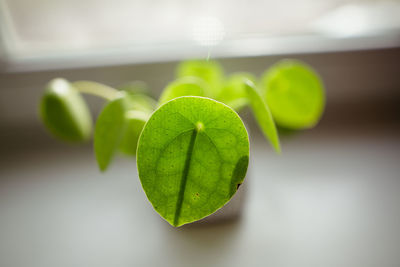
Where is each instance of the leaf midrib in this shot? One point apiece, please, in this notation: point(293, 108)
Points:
point(185, 174)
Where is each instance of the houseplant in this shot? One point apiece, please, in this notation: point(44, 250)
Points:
point(191, 146)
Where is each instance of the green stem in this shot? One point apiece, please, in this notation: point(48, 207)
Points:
point(97, 89)
point(209, 54)
point(138, 115)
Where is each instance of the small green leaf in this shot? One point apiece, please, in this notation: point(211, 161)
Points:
point(138, 108)
point(64, 112)
point(209, 71)
point(263, 115)
point(119, 126)
point(192, 155)
point(186, 86)
point(234, 91)
point(109, 130)
point(294, 93)
point(135, 121)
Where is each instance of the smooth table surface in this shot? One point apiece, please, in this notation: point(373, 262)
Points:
point(330, 199)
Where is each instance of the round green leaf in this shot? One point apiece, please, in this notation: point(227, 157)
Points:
point(262, 115)
point(234, 91)
point(110, 127)
point(192, 156)
point(210, 71)
point(294, 93)
point(186, 86)
point(64, 112)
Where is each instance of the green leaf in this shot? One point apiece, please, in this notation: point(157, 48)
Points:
point(192, 156)
point(234, 91)
point(186, 86)
point(209, 71)
point(138, 108)
point(110, 127)
point(135, 121)
point(64, 112)
point(263, 115)
point(119, 125)
point(294, 93)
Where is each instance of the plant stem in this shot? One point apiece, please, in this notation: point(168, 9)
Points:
point(138, 115)
point(209, 54)
point(97, 89)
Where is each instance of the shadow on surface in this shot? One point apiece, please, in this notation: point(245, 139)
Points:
point(193, 241)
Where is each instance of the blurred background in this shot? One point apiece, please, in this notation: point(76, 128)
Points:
point(332, 197)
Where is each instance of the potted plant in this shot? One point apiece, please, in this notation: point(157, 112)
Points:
point(191, 146)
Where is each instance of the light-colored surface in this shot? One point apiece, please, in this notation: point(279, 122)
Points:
point(329, 200)
point(58, 34)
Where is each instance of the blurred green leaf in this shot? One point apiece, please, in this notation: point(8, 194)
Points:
point(234, 90)
point(64, 112)
point(110, 127)
point(119, 126)
point(192, 155)
point(262, 115)
point(294, 93)
point(138, 108)
point(135, 121)
point(185, 86)
point(210, 71)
